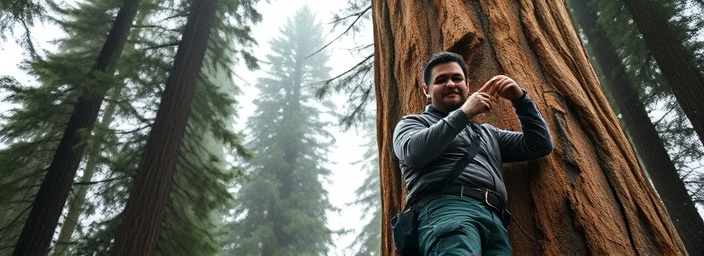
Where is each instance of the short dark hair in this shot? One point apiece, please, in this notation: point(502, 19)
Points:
point(440, 58)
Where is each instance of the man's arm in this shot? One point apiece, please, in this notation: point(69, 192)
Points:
point(533, 142)
point(416, 145)
point(535, 139)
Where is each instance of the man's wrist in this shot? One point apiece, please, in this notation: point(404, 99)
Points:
point(524, 93)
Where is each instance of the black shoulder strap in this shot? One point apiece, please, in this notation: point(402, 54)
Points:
point(456, 169)
point(462, 163)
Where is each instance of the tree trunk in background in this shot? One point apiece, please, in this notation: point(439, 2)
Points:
point(676, 64)
point(589, 196)
point(142, 218)
point(49, 202)
point(648, 144)
point(75, 205)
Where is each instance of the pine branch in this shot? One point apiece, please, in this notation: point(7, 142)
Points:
point(358, 16)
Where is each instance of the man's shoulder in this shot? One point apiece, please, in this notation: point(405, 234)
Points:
point(424, 117)
point(415, 115)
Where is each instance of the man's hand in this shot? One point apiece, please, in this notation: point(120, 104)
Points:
point(506, 87)
point(481, 101)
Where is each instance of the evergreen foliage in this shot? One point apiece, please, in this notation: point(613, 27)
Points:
point(369, 197)
point(282, 208)
point(200, 194)
point(356, 82)
point(22, 14)
point(32, 130)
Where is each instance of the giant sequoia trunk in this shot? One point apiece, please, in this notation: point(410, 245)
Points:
point(589, 196)
point(38, 230)
point(642, 133)
point(143, 214)
point(676, 64)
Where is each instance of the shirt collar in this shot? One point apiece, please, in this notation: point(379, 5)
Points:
point(435, 111)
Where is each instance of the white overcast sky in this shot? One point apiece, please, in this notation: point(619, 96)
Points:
point(346, 177)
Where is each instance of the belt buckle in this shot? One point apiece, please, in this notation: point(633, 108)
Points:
point(486, 200)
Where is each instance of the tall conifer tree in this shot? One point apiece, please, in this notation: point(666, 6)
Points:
point(51, 197)
point(33, 130)
point(282, 209)
point(675, 62)
point(202, 176)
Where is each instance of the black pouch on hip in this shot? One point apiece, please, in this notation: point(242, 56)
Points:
point(404, 228)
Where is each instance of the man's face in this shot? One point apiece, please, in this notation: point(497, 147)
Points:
point(449, 88)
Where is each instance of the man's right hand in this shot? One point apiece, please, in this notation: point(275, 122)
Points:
point(480, 101)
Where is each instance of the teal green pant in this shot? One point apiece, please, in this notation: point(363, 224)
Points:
point(462, 226)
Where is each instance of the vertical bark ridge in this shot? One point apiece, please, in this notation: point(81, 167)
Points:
point(615, 155)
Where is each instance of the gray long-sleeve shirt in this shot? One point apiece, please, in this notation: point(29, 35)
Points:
point(427, 154)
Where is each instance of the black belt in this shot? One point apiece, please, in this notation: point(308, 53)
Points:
point(487, 196)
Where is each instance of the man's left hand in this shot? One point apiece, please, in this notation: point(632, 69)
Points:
point(505, 87)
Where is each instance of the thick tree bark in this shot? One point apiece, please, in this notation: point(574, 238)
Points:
point(49, 202)
point(589, 196)
point(676, 64)
point(143, 214)
point(648, 144)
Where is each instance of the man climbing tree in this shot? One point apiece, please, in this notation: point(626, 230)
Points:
point(589, 188)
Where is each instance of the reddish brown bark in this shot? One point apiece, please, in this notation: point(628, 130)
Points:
point(589, 196)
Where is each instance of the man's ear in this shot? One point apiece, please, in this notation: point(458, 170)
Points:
point(425, 90)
